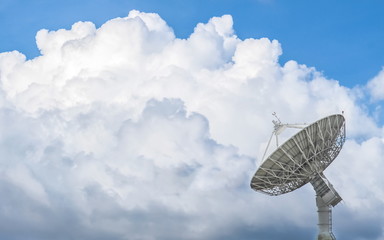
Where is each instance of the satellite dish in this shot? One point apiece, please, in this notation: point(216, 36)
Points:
point(302, 159)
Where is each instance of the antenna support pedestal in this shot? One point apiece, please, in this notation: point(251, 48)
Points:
point(324, 220)
point(326, 197)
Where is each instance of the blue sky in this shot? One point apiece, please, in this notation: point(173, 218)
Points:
point(150, 123)
point(343, 39)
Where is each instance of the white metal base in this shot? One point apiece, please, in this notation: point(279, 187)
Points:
point(326, 197)
point(325, 236)
point(324, 220)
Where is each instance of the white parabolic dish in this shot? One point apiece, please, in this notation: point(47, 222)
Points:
point(301, 158)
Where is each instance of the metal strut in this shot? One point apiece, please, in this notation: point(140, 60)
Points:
point(278, 128)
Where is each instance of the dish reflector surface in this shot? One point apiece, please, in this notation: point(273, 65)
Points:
point(302, 157)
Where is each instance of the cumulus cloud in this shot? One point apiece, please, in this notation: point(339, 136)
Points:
point(376, 86)
point(127, 132)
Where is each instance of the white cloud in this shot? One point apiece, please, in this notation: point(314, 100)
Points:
point(131, 133)
point(376, 86)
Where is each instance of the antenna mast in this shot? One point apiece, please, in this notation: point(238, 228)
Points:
point(302, 159)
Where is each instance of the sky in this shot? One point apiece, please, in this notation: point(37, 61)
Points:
point(328, 35)
point(146, 120)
